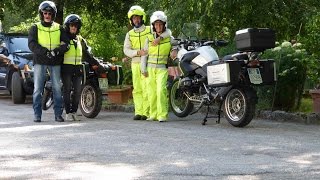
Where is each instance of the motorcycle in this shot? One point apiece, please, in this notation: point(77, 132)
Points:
point(226, 84)
point(94, 82)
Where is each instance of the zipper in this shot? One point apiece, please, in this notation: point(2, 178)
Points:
point(158, 51)
point(139, 40)
point(50, 37)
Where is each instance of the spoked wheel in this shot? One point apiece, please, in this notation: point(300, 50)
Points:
point(90, 100)
point(179, 103)
point(239, 107)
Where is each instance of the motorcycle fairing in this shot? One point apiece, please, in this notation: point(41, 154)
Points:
point(186, 65)
point(206, 55)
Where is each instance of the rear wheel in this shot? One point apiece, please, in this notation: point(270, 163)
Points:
point(239, 106)
point(18, 94)
point(179, 102)
point(90, 100)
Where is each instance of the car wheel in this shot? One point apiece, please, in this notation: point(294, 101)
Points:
point(18, 94)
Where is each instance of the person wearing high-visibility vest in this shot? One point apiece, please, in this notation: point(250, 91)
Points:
point(48, 42)
point(154, 66)
point(72, 69)
point(133, 48)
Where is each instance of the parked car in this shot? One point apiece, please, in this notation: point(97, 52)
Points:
point(16, 74)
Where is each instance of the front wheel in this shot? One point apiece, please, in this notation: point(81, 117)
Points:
point(239, 106)
point(90, 100)
point(179, 102)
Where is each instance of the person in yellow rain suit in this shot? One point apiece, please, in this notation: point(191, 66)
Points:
point(154, 66)
point(133, 48)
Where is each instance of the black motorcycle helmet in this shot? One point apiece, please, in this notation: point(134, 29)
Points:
point(47, 6)
point(73, 19)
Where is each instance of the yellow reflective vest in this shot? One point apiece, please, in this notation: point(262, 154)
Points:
point(138, 38)
point(74, 55)
point(49, 37)
point(159, 54)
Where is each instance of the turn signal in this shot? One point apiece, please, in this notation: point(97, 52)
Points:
point(26, 67)
point(94, 67)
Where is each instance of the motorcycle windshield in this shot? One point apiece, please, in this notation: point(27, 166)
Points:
point(207, 54)
point(190, 31)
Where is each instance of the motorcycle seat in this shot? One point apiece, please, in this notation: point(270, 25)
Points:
point(236, 57)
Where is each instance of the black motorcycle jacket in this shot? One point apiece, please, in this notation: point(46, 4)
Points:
point(40, 52)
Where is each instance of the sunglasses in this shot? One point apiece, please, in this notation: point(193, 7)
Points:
point(73, 25)
point(47, 13)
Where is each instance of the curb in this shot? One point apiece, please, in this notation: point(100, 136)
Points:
point(280, 116)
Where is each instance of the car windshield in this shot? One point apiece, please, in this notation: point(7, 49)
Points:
point(18, 44)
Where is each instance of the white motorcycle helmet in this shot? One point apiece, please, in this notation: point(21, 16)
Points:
point(158, 16)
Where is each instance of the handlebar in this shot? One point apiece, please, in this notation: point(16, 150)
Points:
point(199, 43)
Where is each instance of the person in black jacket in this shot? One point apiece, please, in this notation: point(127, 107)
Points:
point(72, 69)
point(48, 41)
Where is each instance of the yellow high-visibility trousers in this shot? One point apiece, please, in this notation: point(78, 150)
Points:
point(157, 92)
point(139, 93)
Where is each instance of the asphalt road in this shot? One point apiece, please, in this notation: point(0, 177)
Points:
point(112, 146)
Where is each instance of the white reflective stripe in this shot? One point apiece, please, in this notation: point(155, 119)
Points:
point(71, 60)
point(159, 66)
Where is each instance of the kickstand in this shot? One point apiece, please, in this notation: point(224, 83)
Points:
point(207, 113)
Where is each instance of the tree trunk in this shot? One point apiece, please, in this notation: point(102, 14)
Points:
point(59, 15)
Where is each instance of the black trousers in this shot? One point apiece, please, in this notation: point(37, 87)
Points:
point(71, 83)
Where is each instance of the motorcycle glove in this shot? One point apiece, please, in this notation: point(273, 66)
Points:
point(50, 55)
point(56, 51)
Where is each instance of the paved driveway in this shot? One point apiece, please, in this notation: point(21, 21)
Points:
point(112, 146)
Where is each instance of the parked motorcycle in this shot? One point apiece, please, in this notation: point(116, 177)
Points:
point(225, 84)
point(94, 82)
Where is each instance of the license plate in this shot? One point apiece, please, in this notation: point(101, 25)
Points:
point(254, 75)
point(103, 84)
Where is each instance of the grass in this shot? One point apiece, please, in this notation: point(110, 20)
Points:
point(306, 105)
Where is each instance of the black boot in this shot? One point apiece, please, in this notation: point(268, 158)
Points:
point(137, 117)
point(59, 119)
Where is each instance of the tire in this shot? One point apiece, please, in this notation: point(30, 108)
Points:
point(47, 99)
point(90, 100)
point(180, 105)
point(18, 94)
point(239, 106)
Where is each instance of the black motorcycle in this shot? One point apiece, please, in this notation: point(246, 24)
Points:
point(94, 82)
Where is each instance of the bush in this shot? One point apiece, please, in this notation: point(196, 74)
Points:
point(293, 66)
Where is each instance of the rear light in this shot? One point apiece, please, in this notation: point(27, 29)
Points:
point(254, 63)
point(103, 75)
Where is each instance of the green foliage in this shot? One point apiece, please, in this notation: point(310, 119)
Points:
point(101, 36)
point(312, 37)
point(292, 70)
point(24, 27)
point(306, 105)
